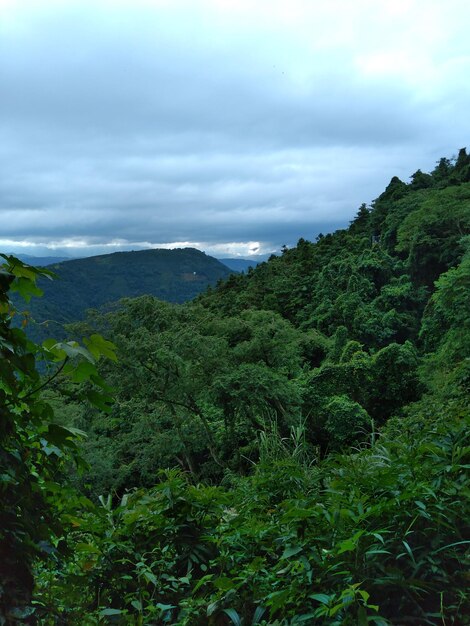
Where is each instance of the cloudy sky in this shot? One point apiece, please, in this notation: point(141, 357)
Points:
point(235, 126)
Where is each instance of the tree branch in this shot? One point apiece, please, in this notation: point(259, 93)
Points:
point(49, 380)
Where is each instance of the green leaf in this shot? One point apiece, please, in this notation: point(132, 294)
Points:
point(165, 607)
point(350, 544)
point(107, 612)
point(48, 344)
point(50, 448)
point(62, 435)
point(307, 617)
point(370, 552)
point(234, 616)
point(83, 371)
point(150, 577)
point(98, 346)
point(72, 349)
point(202, 581)
point(277, 599)
point(291, 551)
point(260, 611)
point(451, 545)
point(347, 546)
point(26, 288)
point(212, 608)
point(87, 547)
point(320, 597)
point(101, 401)
point(223, 583)
point(364, 594)
point(408, 549)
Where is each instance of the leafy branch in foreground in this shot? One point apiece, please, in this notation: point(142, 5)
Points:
point(34, 450)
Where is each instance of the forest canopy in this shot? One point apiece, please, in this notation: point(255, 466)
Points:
point(290, 447)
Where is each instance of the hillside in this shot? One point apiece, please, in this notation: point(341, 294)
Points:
point(235, 264)
point(342, 326)
point(172, 275)
point(314, 416)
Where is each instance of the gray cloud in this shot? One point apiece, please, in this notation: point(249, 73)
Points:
point(196, 122)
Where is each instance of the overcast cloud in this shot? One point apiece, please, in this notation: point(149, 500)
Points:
point(227, 125)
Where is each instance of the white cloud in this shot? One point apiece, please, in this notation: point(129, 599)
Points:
point(215, 121)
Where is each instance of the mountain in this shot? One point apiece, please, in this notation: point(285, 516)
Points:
point(172, 275)
point(242, 265)
point(41, 261)
point(236, 264)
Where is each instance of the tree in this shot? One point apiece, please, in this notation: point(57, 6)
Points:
point(394, 379)
point(33, 448)
point(346, 423)
point(361, 221)
point(445, 333)
point(431, 236)
point(419, 180)
point(462, 166)
point(442, 171)
point(193, 387)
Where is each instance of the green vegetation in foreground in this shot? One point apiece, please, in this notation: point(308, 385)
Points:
point(34, 448)
point(317, 411)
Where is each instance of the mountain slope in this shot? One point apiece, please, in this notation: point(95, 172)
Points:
point(172, 275)
point(335, 335)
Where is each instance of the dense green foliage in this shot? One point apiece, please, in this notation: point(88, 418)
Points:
point(33, 447)
point(372, 537)
point(317, 411)
point(332, 336)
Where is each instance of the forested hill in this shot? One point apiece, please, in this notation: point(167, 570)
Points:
point(172, 275)
point(336, 334)
point(313, 413)
point(373, 278)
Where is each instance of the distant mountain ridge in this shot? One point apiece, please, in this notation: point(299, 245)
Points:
point(41, 261)
point(173, 275)
point(236, 264)
point(242, 265)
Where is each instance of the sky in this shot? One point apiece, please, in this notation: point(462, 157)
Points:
point(232, 126)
